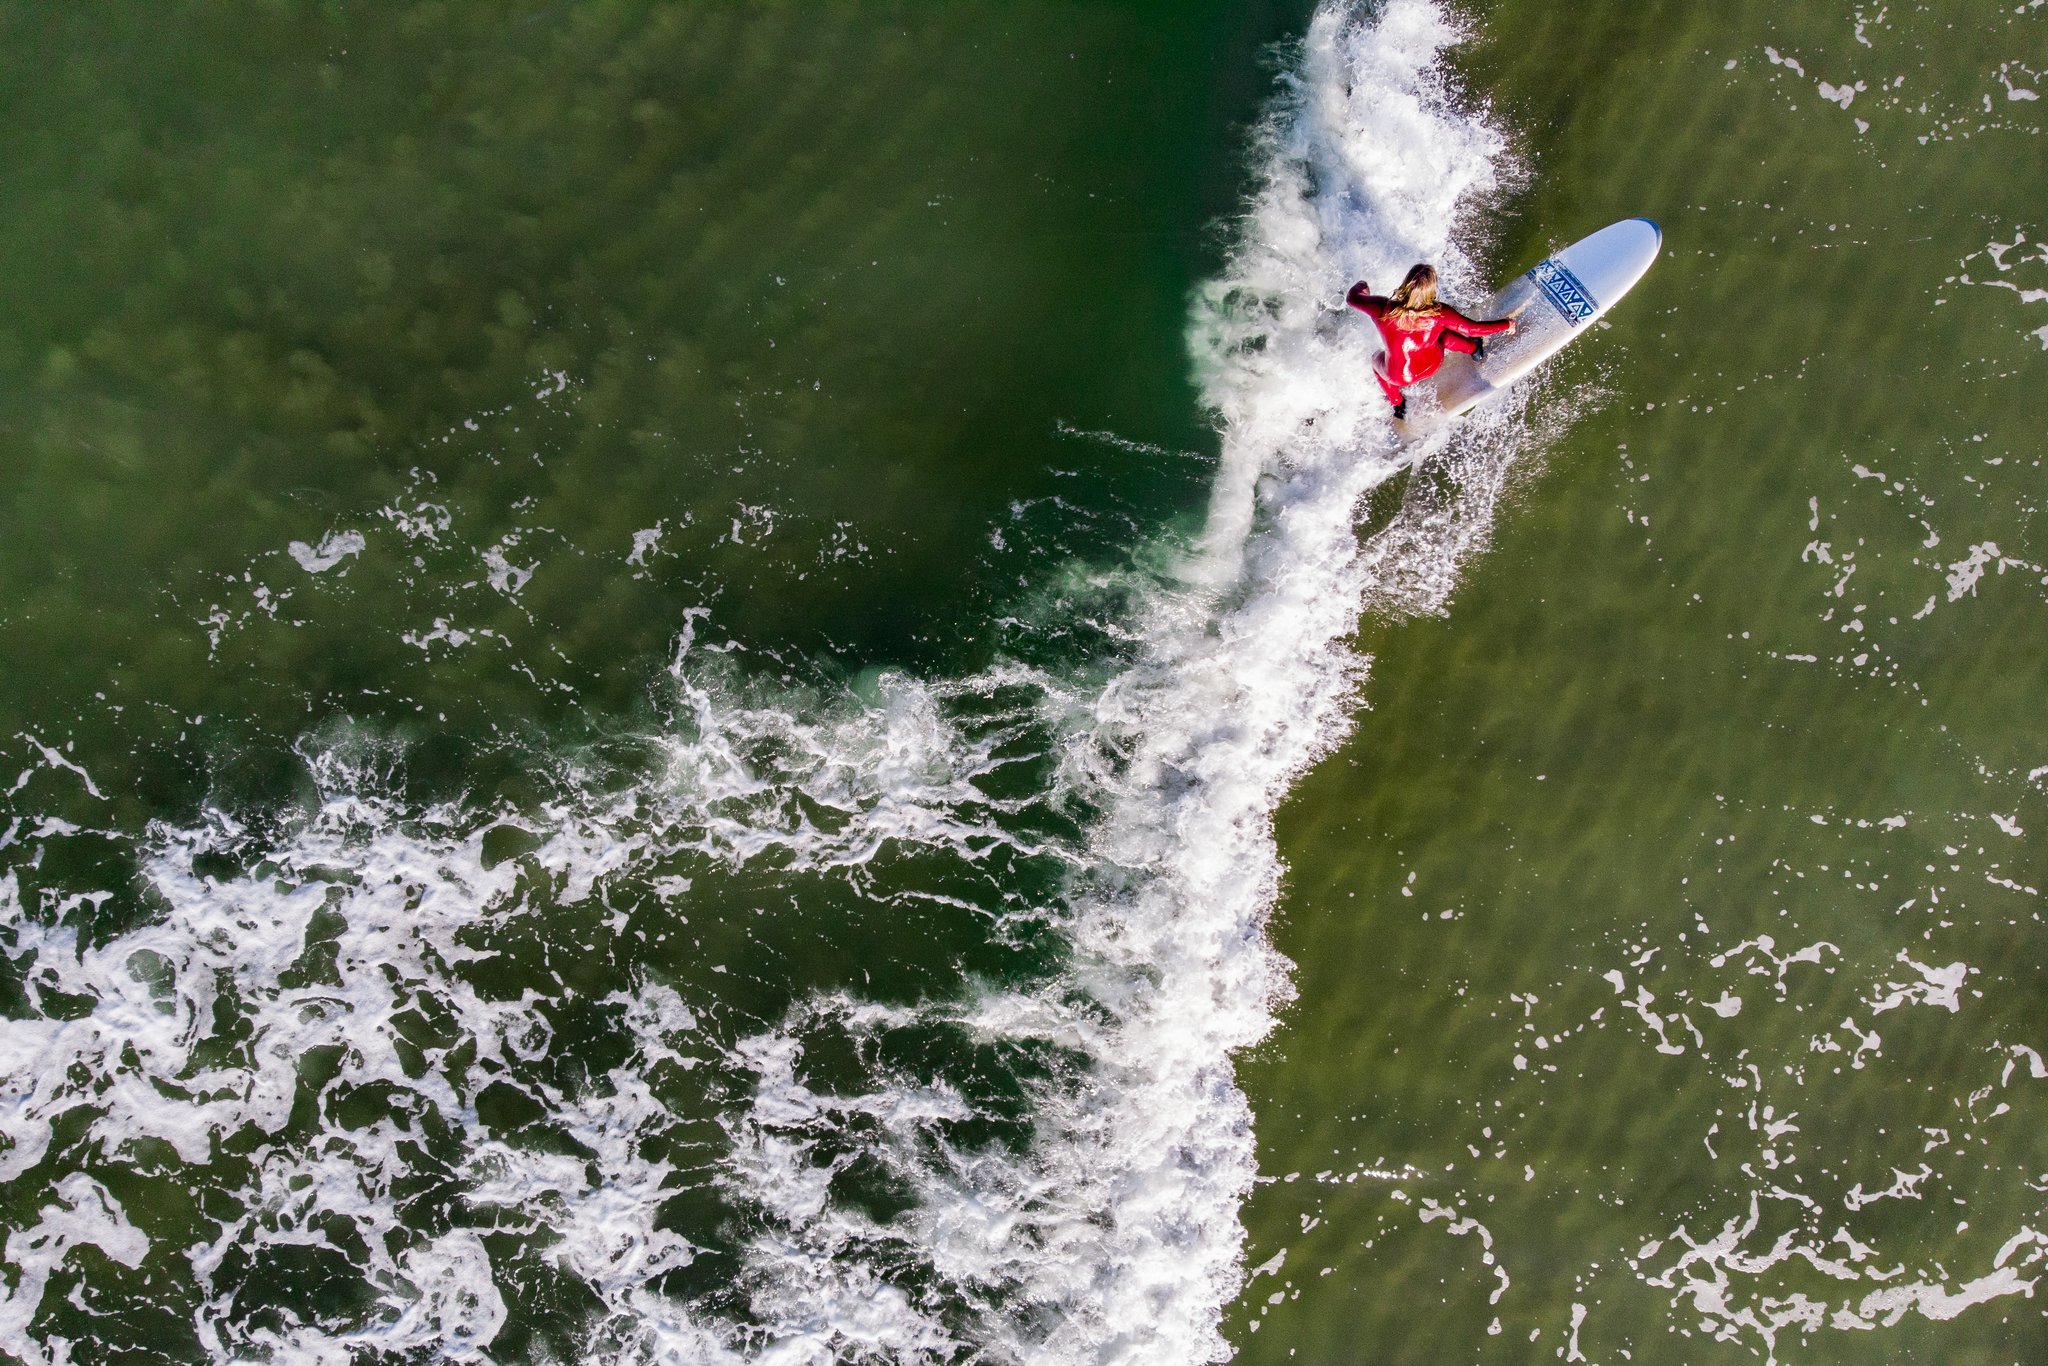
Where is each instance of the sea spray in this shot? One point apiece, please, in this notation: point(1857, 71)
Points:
point(1248, 676)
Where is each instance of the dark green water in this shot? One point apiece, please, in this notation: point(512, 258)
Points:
point(618, 759)
point(274, 268)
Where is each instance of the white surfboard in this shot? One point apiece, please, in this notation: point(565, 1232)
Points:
point(1552, 303)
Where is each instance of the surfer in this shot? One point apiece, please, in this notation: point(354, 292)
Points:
point(1417, 331)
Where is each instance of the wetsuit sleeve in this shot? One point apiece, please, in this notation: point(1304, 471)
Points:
point(1472, 327)
point(1365, 301)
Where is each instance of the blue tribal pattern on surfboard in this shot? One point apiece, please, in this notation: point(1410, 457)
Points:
point(1565, 292)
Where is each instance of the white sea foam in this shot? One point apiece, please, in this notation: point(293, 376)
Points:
point(646, 544)
point(1726, 1279)
point(505, 576)
point(334, 548)
point(82, 1215)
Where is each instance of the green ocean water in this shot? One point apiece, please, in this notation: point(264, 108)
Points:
point(570, 585)
point(1726, 672)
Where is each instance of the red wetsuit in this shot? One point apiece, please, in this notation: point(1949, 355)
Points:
point(1416, 342)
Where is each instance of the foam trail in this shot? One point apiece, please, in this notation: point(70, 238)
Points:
point(1118, 1233)
point(1248, 678)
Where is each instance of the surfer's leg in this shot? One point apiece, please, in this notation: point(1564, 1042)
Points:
point(1474, 347)
point(1387, 386)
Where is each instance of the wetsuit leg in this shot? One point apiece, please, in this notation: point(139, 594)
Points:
point(1459, 342)
point(1387, 386)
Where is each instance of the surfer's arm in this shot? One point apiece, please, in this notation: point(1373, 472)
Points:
point(1365, 301)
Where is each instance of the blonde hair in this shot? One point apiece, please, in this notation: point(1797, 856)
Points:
point(1417, 295)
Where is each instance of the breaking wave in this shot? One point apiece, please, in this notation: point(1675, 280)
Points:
point(623, 1072)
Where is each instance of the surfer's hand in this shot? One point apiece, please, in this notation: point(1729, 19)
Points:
point(1511, 327)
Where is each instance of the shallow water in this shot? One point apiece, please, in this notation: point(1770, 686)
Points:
point(653, 654)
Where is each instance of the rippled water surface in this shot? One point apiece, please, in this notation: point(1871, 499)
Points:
point(711, 683)
point(1668, 932)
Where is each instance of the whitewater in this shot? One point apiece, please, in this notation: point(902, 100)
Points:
point(318, 1033)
